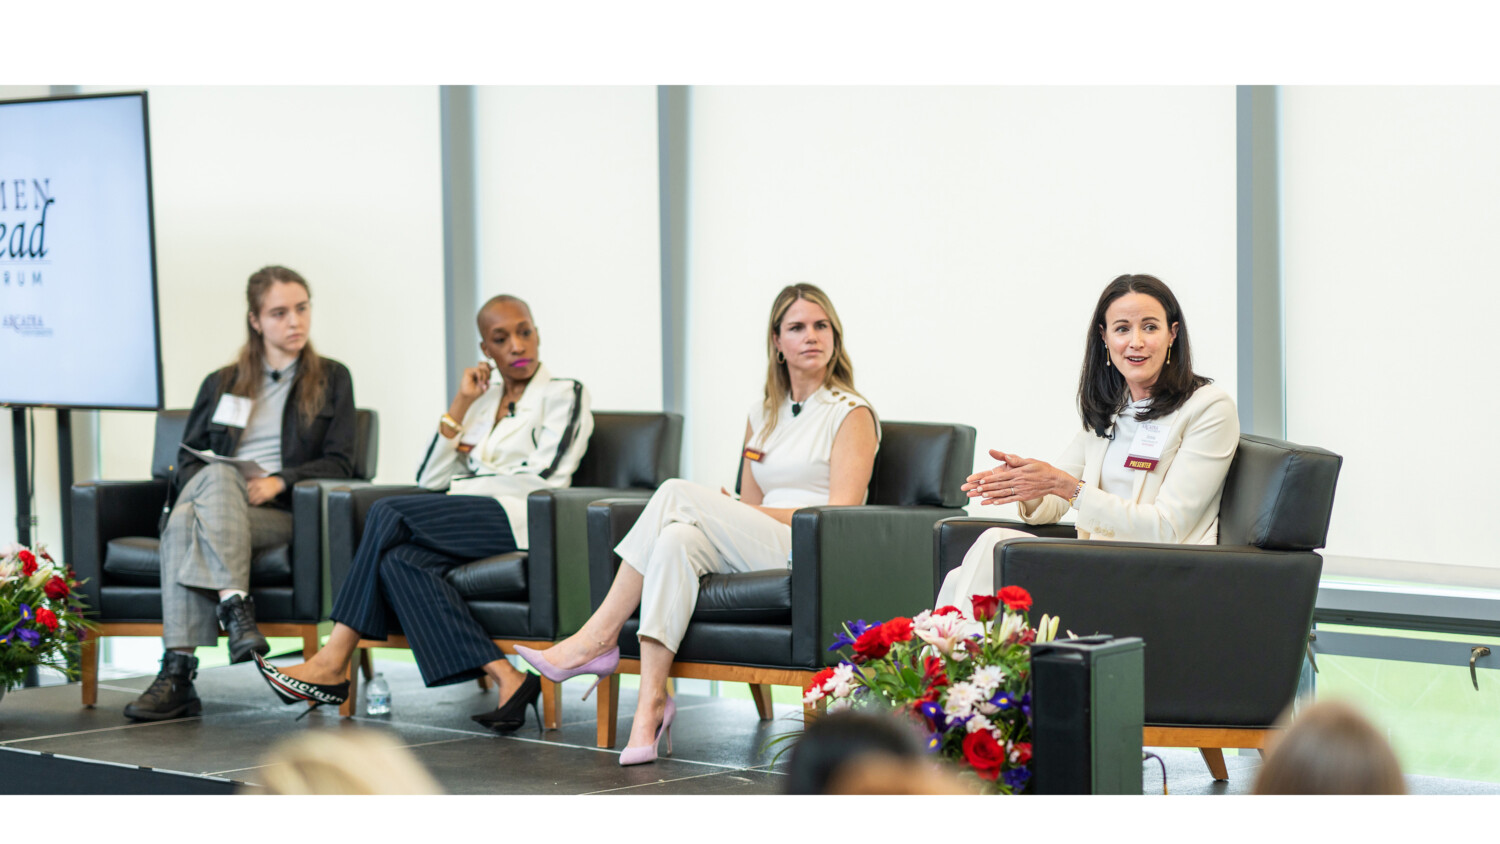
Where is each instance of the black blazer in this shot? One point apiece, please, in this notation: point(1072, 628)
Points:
point(324, 449)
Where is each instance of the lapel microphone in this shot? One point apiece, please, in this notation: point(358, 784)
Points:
point(512, 407)
point(796, 407)
point(275, 375)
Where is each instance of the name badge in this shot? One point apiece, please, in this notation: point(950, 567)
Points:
point(233, 411)
point(753, 454)
point(1146, 448)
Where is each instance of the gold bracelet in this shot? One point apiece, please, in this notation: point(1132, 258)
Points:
point(1073, 502)
point(449, 421)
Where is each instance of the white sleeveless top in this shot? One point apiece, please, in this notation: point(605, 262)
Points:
point(795, 471)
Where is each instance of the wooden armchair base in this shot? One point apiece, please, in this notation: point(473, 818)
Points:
point(760, 680)
point(89, 654)
point(360, 663)
point(1210, 742)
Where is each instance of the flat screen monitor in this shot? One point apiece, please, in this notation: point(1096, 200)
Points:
point(78, 315)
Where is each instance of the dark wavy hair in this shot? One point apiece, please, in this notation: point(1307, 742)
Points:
point(1101, 387)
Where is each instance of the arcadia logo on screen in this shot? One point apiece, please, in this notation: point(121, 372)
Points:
point(23, 231)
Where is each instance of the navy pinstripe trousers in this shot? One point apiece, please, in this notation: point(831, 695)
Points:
point(409, 543)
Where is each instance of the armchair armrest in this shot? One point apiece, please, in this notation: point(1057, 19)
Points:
point(105, 510)
point(870, 562)
point(1225, 626)
point(348, 503)
point(608, 522)
point(311, 592)
point(952, 539)
point(557, 566)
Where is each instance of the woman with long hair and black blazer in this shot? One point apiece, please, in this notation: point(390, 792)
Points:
point(1150, 462)
point(287, 409)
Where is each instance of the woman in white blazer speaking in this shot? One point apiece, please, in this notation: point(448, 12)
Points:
point(1150, 462)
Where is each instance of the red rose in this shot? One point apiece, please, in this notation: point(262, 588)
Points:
point(1020, 754)
point(818, 680)
point(56, 588)
point(872, 644)
point(934, 674)
point(948, 610)
point(1027, 636)
point(985, 607)
point(47, 618)
point(896, 630)
point(1016, 598)
point(28, 564)
point(984, 754)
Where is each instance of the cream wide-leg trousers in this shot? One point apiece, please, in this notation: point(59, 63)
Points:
point(976, 574)
point(685, 532)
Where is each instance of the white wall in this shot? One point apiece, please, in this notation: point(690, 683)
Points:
point(342, 185)
point(964, 235)
point(1389, 217)
point(568, 221)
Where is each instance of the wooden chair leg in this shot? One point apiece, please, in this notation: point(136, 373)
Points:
point(352, 672)
point(609, 709)
point(762, 694)
point(1213, 757)
point(812, 712)
point(309, 643)
point(484, 683)
point(551, 705)
point(366, 664)
point(88, 658)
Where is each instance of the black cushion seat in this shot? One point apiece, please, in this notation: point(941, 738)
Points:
point(757, 597)
point(136, 561)
point(498, 578)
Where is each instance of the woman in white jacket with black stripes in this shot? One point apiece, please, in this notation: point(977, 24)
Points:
point(497, 443)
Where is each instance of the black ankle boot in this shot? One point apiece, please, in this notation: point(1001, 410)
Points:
point(172, 694)
point(237, 614)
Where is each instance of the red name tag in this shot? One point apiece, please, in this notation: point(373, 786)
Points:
point(1146, 463)
point(752, 454)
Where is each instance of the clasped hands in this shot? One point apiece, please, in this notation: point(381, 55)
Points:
point(1018, 479)
point(265, 489)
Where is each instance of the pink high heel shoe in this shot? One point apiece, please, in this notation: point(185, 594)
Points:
point(600, 666)
point(642, 755)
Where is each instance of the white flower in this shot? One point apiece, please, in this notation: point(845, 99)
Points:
point(962, 697)
point(942, 632)
point(836, 704)
point(987, 708)
point(920, 619)
point(842, 682)
point(813, 695)
point(42, 576)
point(977, 723)
point(987, 679)
point(8, 570)
point(1012, 625)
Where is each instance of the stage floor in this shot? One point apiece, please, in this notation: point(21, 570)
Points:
point(719, 744)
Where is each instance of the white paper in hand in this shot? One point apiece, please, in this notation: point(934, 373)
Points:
point(249, 468)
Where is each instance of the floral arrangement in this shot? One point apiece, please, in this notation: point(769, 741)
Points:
point(41, 615)
point(963, 680)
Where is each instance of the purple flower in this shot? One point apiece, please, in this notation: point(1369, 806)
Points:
point(933, 712)
point(1026, 704)
point(4, 638)
point(1016, 777)
point(932, 743)
point(26, 613)
point(29, 636)
point(1003, 699)
point(857, 628)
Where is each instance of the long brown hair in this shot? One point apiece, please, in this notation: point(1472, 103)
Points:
point(778, 383)
point(243, 377)
point(1101, 387)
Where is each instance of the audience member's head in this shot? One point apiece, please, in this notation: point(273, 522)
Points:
point(346, 762)
point(863, 753)
point(1331, 749)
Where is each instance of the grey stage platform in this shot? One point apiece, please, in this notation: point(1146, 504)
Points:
point(719, 743)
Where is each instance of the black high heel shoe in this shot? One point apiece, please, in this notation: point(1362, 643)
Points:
point(512, 715)
point(292, 690)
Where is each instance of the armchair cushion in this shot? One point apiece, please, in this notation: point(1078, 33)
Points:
point(136, 561)
point(763, 597)
point(1278, 495)
point(498, 578)
point(921, 464)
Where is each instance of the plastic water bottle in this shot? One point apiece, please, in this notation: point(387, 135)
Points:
point(378, 697)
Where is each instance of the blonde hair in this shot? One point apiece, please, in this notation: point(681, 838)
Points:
point(1331, 749)
point(840, 374)
point(358, 762)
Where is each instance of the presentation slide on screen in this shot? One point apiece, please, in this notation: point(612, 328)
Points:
point(77, 316)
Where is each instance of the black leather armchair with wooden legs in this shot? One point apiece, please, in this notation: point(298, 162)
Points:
point(115, 550)
point(773, 628)
point(537, 596)
point(1226, 626)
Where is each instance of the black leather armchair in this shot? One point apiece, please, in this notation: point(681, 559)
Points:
point(1225, 625)
point(115, 552)
point(774, 627)
point(540, 594)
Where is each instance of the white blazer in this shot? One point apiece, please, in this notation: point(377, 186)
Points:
point(537, 447)
point(1176, 502)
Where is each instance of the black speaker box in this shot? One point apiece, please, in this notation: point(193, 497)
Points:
point(1088, 706)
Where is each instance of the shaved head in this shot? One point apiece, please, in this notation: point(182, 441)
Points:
point(497, 302)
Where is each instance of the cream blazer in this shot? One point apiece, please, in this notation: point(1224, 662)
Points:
point(539, 447)
point(1177, 502)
